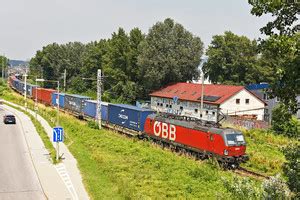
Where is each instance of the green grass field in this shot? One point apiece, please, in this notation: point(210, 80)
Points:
point(115, 166)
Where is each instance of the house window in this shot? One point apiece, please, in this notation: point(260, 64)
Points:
point(265, 96)
point(213, 113)
point(237, 101)
point(157, 104)
point(170, 106)
point(181, 108)
point(161, 104)
point(207, 112)
point(196, 110)
point(167, 105)
point(247, 101)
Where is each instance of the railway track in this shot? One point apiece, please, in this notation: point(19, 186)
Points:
point(245, 172)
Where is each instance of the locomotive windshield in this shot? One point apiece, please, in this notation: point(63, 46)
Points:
point(235, 138)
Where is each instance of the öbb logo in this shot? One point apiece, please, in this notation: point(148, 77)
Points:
point(164, 130)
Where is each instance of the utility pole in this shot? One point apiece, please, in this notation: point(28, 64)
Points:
point(202, 94)
point(65, 77)
point(36, 105)
point(99, 85)
point(3, 63)
point(57, 121)
point(25, 90)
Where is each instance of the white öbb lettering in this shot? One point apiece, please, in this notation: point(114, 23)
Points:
point(164, 130)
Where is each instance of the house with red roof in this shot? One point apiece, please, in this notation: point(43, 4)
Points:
point(185, 99)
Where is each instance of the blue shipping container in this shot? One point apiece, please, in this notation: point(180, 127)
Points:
point(75, 103)
point(90, 109)
point(30, 89)
point(61, 99)
point(128, 116)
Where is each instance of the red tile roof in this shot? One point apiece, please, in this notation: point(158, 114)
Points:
point(192, 92)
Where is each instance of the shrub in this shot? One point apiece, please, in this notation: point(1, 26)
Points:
point(93, 124)
point(284, 123)
point(242, 189)
point(292, 168)
point(275, 188)
point(280, 117)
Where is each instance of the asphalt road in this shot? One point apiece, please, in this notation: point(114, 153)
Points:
point(18, 178)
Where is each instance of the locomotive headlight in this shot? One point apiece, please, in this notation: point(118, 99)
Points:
point(225, 152)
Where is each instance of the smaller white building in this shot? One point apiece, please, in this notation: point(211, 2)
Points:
point(185, 99)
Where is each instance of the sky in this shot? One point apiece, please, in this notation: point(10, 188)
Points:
point(28, 25)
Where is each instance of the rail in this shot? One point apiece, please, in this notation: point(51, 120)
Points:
point(245, 172)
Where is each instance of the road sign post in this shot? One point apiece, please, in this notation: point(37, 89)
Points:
point(58, 136)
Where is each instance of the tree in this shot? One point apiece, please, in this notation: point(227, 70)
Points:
point(292, 168)
point(93, 59)
point(281, 51)
point(169, 54)
point(3, 64)
point(233, 59)
point(50, 62)
point(282, 55)
point(285, 14)
point(120, 66)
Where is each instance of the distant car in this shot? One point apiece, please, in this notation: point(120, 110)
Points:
point(9, 119)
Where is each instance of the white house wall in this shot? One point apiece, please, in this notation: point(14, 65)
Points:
point(254, 107)
point(189, 108)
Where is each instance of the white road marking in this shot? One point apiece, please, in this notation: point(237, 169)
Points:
point(61, 170)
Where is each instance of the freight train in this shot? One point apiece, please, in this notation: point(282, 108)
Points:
point(179, 133)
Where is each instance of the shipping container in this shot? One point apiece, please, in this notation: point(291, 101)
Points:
point(43, 95)
point(17, 85)
point(30, 89)
point(61, 99)
point(128, 116)
point(75, 103)
point(90, 109)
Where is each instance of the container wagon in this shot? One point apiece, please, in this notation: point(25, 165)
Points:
point(128, 116)
point(43, 95)
point(90, 109)
point(75, 104)
point(29, 89)
point(61, 99)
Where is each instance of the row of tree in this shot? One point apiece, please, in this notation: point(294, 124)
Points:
point(133, 64)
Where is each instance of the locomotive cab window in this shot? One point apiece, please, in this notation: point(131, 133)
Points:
point(234, 138)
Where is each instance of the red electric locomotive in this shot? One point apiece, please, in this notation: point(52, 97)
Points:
point(227, 145)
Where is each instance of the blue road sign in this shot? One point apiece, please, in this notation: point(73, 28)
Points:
point(58, 134)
